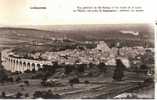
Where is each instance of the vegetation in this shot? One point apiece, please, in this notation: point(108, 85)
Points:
point(46, 95)
point(119, 71)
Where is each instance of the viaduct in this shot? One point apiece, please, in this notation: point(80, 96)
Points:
point(14, 64)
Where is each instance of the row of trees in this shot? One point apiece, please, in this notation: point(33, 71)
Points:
point(80, 68)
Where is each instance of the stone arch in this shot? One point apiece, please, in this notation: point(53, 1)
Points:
point(9, 59)
point(20, 66)
point(20, 63)
point(33, 66)
point(29, 66)
point(17, 62)
point(15, 66)
point(24, 66)
point(14, 61)
point(10, 64)
point(24, 63)
point(39, 66)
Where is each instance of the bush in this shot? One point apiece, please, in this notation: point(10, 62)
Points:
point(68, 69)
point(81, 68)
point(86, 82)
point(27, 71)
point(74, 80)
point(3, 94)
point(46, 95)
point(18, 95)
point(18, 79)
point(26, 83)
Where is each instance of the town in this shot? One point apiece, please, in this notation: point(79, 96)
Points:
point(66, 68)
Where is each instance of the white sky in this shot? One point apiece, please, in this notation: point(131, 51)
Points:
point(18, 12)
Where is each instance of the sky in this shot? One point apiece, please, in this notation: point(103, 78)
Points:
point(60, 12)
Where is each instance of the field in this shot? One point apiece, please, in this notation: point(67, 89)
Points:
point(101, 86)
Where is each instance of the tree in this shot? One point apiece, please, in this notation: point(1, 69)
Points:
point(27, 95)
point(102, 67)
point(50, 68)
point(81, 68)
point(10, 79)
point(18, 95)
point(119, 70)
point(74, 80)
point(3, 75)
point(68, 69)
point(18, 79)
point(27, 71)
point(3, 94)
point(91, 65)
point(26, 83)
point(144, 68)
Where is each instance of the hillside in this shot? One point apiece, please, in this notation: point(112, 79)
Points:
point(12, 35)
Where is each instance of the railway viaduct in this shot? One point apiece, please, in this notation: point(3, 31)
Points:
point(20, 64)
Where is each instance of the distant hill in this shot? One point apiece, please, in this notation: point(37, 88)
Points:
point(25, 33)
point(77, 32)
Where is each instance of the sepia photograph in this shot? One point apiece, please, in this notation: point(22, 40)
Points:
point(84, 61)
